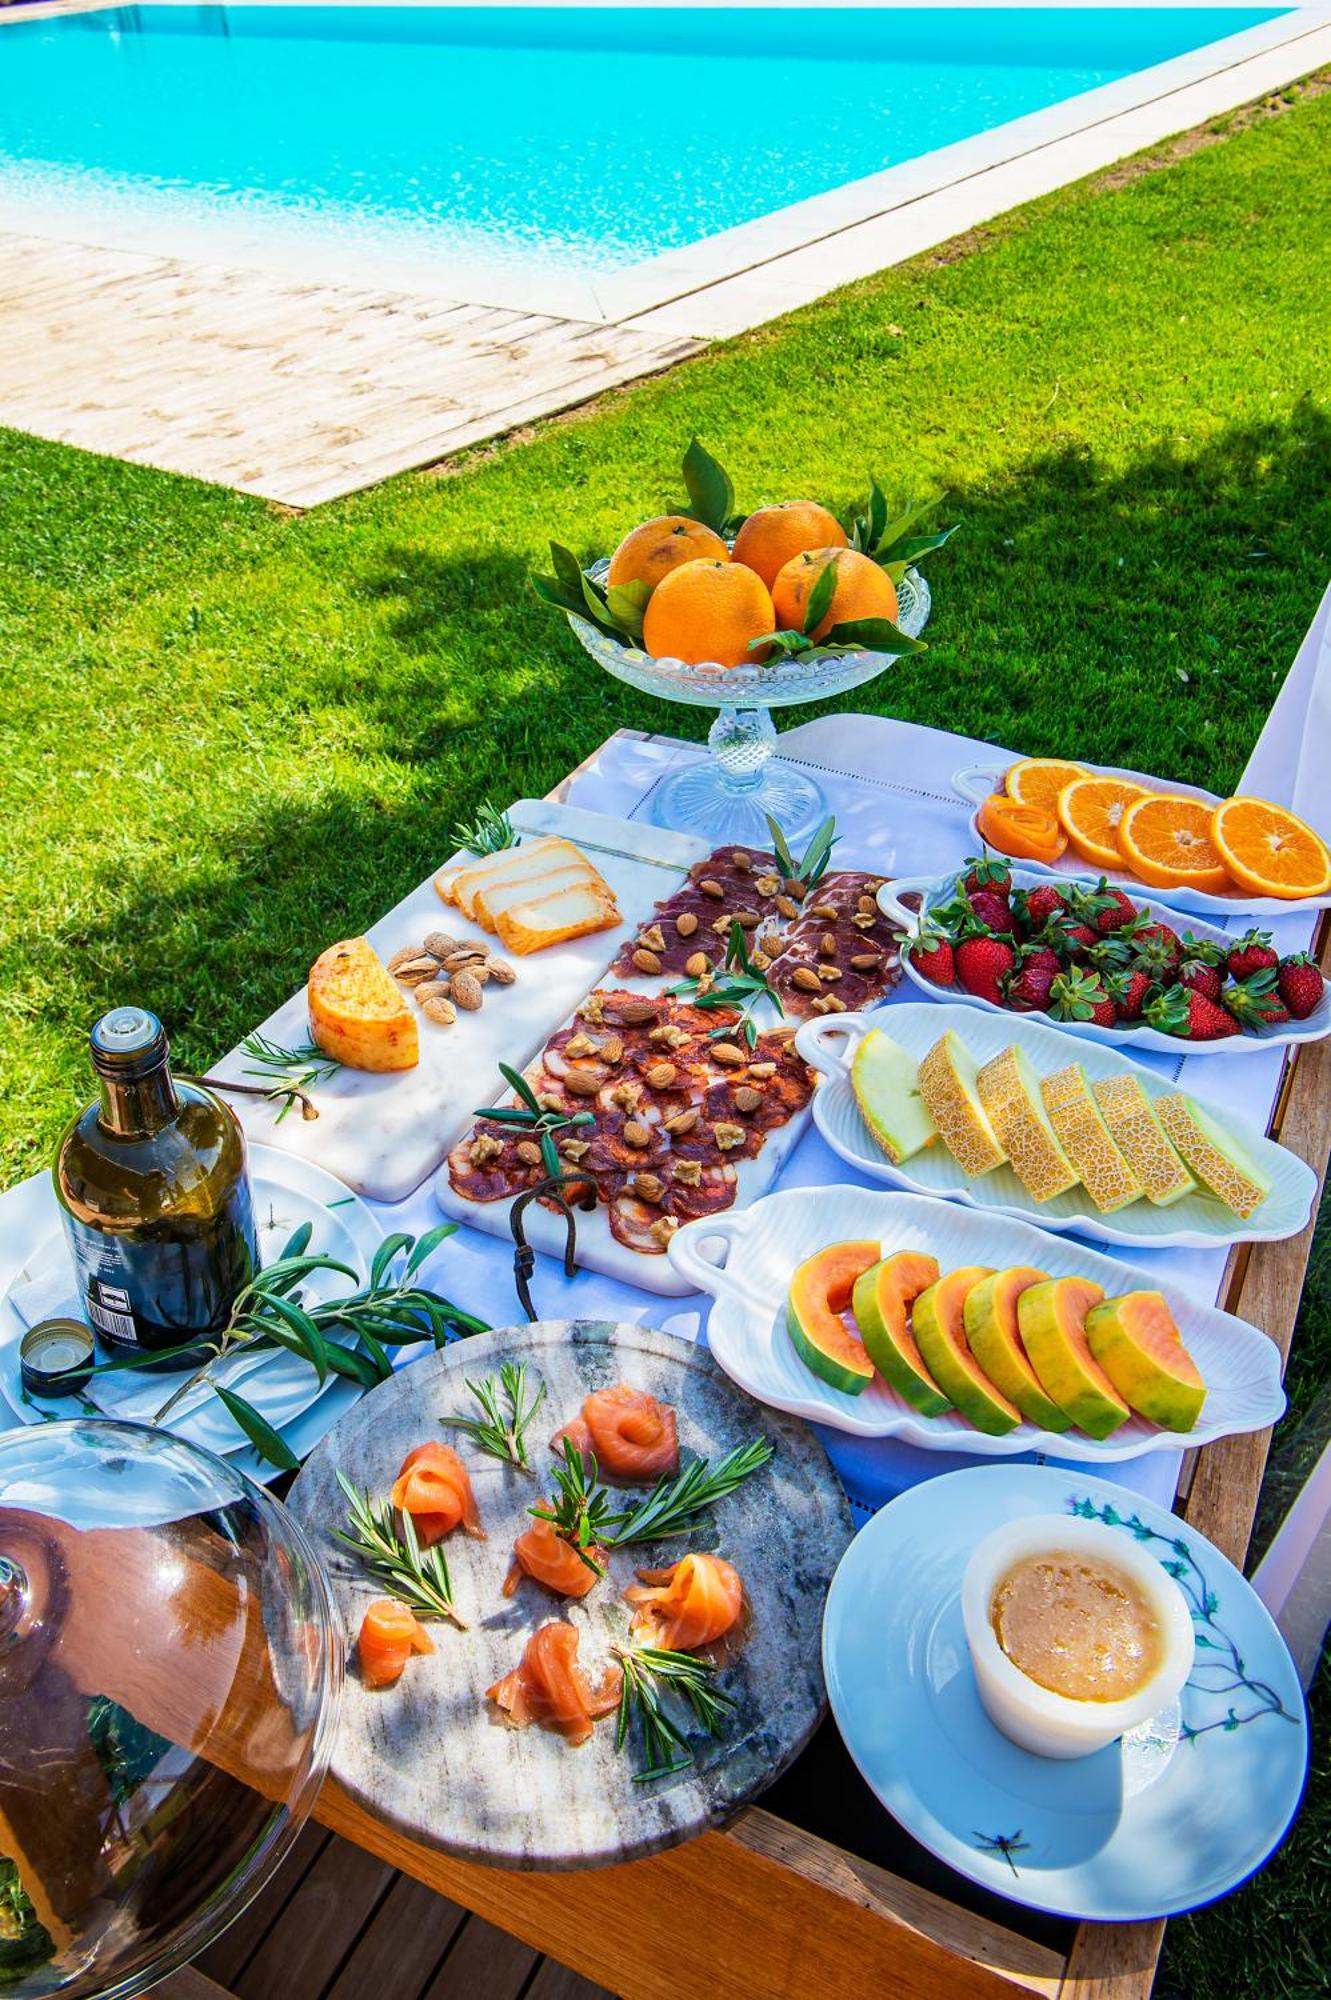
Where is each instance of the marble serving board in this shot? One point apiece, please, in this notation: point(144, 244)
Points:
point(596, 1248)
point(383, 1135)
point(430, 1755)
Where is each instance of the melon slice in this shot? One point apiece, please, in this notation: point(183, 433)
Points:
point(1051, 1319)
point(1142, 1139)
point(819, 1294)
point(990, 1319)
point(939, 1325)
point(357, 1012)
point(1136, 1342)
point(886, 1081)
point(1010, 1093)
point(948, 1087)
point(881, 1302)
point(1076, 1117)
point(1219, 1161)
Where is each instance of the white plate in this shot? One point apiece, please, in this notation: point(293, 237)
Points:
point(287, 1192)
point(940, 889)
point(1199, 1221)
point(1179, 1813)
point(759, 1250)
point(976, 781)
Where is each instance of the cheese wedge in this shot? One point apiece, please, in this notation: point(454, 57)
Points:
point(464, 884)
point(357, 1013)
point(551, 919)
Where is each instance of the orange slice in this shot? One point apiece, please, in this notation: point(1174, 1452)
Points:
point(1091, 810)
point(1024, 832)
point(1037, 781)
point(1166, 841)
point(1269, 851)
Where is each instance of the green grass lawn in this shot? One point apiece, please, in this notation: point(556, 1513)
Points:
point(231, 736)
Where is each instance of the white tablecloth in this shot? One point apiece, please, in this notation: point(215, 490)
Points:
point(889, 785)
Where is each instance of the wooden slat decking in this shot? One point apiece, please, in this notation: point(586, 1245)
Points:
point(335, 1924)
point(296, 390)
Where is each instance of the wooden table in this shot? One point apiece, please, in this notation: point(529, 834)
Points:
point(775, 1905)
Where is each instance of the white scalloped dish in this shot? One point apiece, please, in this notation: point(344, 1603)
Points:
point(1198, 1221)
point(746, 1260)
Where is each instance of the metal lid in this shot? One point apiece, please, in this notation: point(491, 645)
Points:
point(56, 1357)
point(128, 1038)
point(170, 1666)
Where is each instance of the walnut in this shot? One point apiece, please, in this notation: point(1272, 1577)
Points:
point(728, 1136)
point(579, 1045)
point(652, 938)
point(664, 1228)
point(484, 1148)
point(592, 1009)
point(768, 885)
point(688, 1172)
point(762, 1070)
point(573, 1149)
point(627, 1096)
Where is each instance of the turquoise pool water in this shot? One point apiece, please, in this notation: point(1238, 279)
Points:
point(597, 137)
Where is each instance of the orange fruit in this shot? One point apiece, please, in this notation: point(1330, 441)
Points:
point(1090, 810)
point(1269, 851)
point(771, 537)
point(653, 550)
point(862, 590)
point(1166, 841)
point(1037, 781)
point(1024, 832)
point(707, 610)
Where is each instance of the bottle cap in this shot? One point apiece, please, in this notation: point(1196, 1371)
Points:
point(55, 1357)
point(127, 1038)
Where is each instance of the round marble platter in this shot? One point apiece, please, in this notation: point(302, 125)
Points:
point(437, 1760)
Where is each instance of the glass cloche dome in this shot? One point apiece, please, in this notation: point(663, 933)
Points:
point(170, 1669)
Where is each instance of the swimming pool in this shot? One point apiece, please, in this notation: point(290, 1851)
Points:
point(581, 139)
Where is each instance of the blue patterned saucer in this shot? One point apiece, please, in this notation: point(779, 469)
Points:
point(1180, 1812)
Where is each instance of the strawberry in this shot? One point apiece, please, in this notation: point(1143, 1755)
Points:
point(1081, 996)
point(1254, 1001)
point(983, 962)
point(931, 953)
point(1034, 907)
point(1159, 951)
point(1122, 910)
point(1129, 992)
point(988, 871)
point(1027, 988)
point(1189, 1015)
point(993, 910)
point(1252, 953)
point(1066, 936)
point(1301, 984)
point(1199, 977)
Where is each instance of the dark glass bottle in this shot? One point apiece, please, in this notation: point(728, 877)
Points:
point(154, 1195)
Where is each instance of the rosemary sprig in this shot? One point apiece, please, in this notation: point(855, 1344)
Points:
point(738, 984)
point(489, 833)
point(580, 1509)
point(502, 1434)
point(419, 1577)
point(648, 1672)
point(676, 1506)
point(287, 1070)
point(812, 864)
point(530, 1115)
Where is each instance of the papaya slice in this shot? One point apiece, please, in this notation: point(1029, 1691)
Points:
point(938, 1322)
point(1136, 1342)
point(1051, 1318)
point(881, 1302)
point(990, 1319)
point(819, 1294)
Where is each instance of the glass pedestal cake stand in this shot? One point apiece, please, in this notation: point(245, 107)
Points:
point(728, 795)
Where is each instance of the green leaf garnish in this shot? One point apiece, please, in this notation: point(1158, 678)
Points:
point(502, 1432)
point(820, 597)
point(418, 1577)
point(710, 488)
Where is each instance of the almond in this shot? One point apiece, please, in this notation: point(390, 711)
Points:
point(746, 1099)
point(697, 964)
point(869, 906)
point(634, 1013)
point(794, 887)
point(466, 954)
point(432, 989)
point(581, 1083)
point(646, 961)
point(415, 970)
point(712, 889)
point(865, 961)
point(740, 862)
point(788, 909)
point(467, 991)
point(827, 945)
point(637, 1134)
point(438, 1008)
point(528, 1152)
point(611, 1051)
point(686, 923)
point(647, 1187)
point(806, 979)
point(762, 1070)
point(661, 1075)
point(501, 972)
point(728, 1055)
point(683, 1121)
point(439, 944)
point(747, 920)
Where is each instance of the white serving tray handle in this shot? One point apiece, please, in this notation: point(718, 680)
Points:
point(891, 905)
point(828, 1044)
point(974, 782)
point(693, 1251)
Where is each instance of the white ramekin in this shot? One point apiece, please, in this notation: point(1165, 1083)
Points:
point(1053, 1725)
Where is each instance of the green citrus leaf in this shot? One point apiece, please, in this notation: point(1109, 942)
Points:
point(710, 489)
point(551, 591)
point(820, 597)
point(567, 568)
point(877, 514)
point(879, 635)
point(626, 603)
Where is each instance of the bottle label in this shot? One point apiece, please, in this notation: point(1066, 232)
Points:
point(110, 1312)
